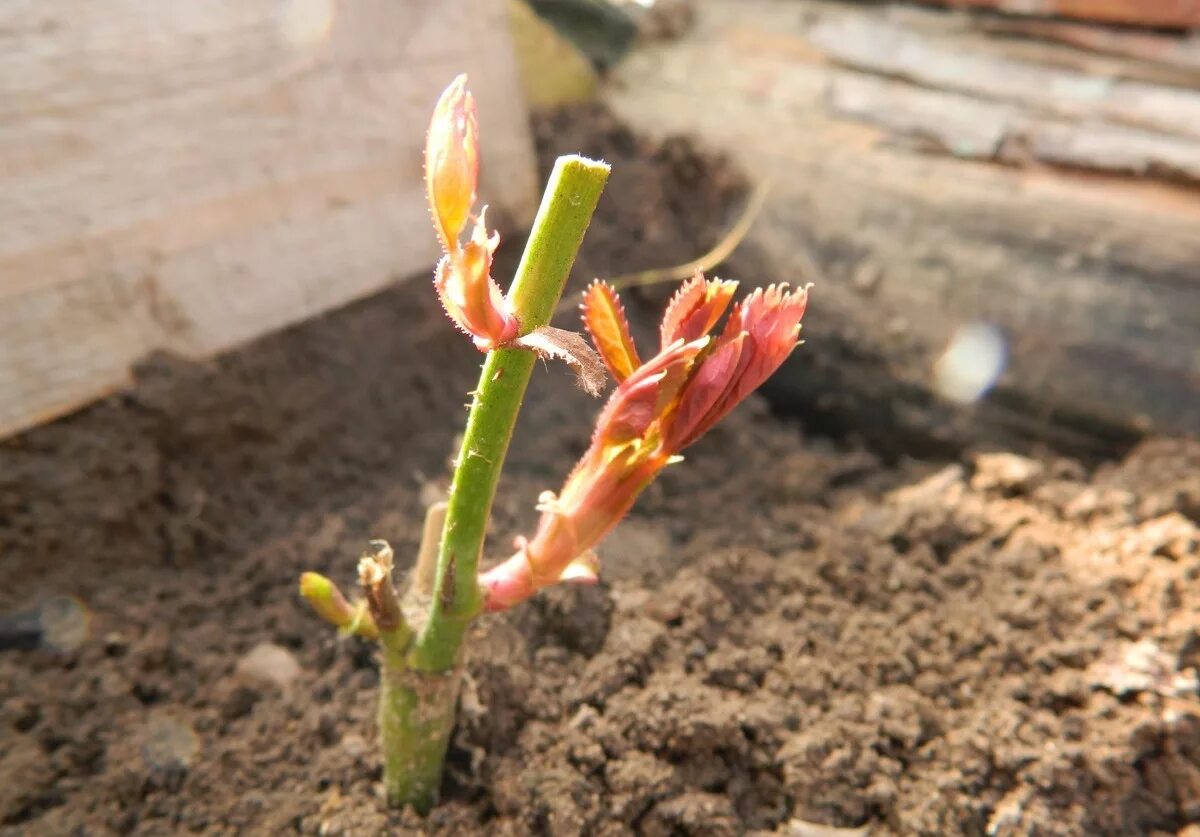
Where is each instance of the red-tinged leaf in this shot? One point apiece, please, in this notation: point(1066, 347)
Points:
point(630, 411)
point(644, 397)
point(470, 295)
point(695, 309)
point(690, 294)
point(703, 392)
point(568, 346)
point(604, 319)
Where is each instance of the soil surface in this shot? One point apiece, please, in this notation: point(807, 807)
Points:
point(790, 632)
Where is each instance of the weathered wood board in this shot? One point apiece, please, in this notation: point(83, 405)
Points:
point(915, 216)
point(896, 50)
point(188, 176)
point(1181, 14)
point(1158, 50)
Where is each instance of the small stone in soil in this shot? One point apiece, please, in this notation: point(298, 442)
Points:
point(269, 663)
point(1143, 667)
point(65, 623)
point(168, 745)
point(115, 644)
point(585, 718)
point(354, 745)
point(60, 624)
point(803, 828)
point(1005, 472)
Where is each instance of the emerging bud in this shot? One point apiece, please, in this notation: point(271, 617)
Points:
point(328, 602)
point(761, 333)
point(659, 408)
point(463, 278)
point(452, 162)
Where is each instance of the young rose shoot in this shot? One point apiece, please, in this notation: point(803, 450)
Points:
point(659, 407)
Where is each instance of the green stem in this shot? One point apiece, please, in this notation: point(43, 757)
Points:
point(571, 196)
point(416, 716)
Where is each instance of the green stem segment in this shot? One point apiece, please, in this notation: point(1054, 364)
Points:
point(571, 196)
point(419, 690)
point(416, 717)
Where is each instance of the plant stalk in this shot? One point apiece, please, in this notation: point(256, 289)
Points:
point(416, 717)
point(566, 210)
point(419, 689)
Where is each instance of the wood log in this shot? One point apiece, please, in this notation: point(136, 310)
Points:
point(1091, 278)
point(190, 176)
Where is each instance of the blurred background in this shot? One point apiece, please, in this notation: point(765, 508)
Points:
point(994, 198)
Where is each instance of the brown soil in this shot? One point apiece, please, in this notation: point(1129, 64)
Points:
point(788, 629)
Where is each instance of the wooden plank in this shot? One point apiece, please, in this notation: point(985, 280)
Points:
point(1155, 56)
point(1173, 51)
point(190, 176)
point(949, 122)
point(1179, 14)
point(1091, 279)
point(883, 47)
point(968, 127)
